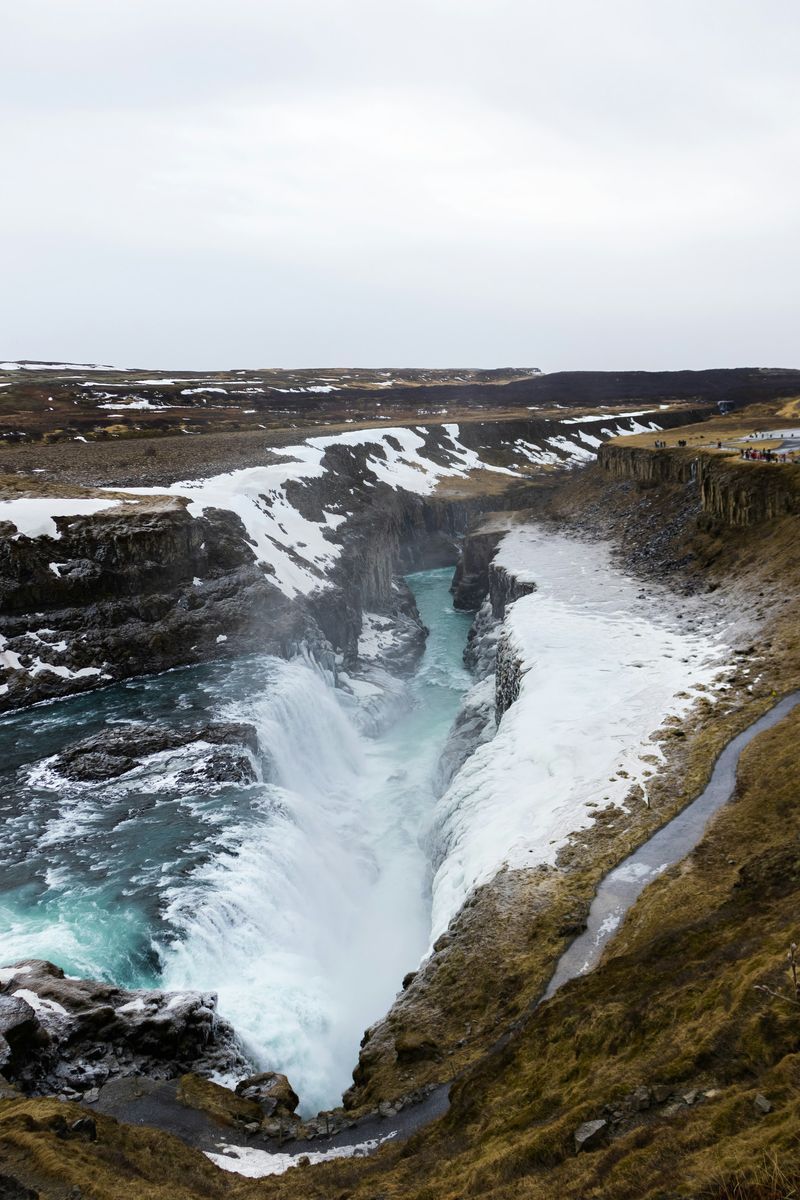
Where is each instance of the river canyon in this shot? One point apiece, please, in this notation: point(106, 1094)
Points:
point(311, 765)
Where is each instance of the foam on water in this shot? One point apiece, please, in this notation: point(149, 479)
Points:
point(301, 899)
point(317, 901)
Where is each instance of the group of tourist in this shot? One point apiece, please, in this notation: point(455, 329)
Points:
point(750, 453)
point(776, 456)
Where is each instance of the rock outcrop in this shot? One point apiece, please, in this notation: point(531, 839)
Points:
point(729, 491)
point(508, 675)
point(70, 1036)
point(131, 592)
point(113, 752)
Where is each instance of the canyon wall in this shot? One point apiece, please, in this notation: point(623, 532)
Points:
point(729, 490)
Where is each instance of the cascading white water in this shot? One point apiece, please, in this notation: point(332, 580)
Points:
point(302, 898)
point(317, 901)
point(279, 921)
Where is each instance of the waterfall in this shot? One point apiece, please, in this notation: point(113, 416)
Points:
point(301, 898)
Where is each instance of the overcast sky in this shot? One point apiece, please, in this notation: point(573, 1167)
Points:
point(552, 183)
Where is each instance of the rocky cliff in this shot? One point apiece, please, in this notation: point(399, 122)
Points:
point(132, 591)
point(69, 1036)
point(729, 490)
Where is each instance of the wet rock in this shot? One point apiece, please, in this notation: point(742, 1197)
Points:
point(85, 1031)
point(590, 1135)
point(762, 1105)
point(222, 766)
point(508, 675)
point(113, 752)
point(471, 579)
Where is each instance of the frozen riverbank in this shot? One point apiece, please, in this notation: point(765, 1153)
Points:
point(600, 664)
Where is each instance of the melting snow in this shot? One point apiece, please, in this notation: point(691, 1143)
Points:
point(33, 516)
point(255, 1164)
point(642, 412)
point(9, 973)
point(38, 1003)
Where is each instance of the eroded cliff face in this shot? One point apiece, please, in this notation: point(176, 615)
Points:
point(728, 490)
point(747, 493)
point(126, 592)
point(648, 466)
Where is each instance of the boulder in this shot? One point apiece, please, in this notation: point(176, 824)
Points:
point(21, 1033)
point(412, 1046)
point(113, 752)
point(590, 1135)
point(271, 1090)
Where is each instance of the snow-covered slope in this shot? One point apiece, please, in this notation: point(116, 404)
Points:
point(600, 668)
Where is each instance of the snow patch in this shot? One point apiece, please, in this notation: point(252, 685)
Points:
point(256, 1164)
point(39, 1004)
point(33, 516)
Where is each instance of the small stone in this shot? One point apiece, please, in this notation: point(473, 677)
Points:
point(690, 1097)
point(92, 1095)
point(589, 1135)
point(252, 1127)
point(762, 1105)
point(661, 1093)
point(641, 1098)
point(85, 1127)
